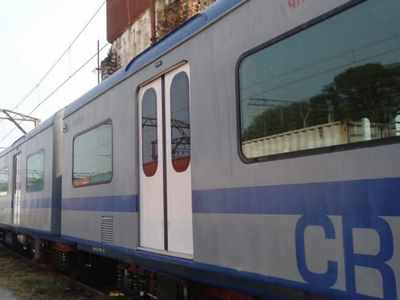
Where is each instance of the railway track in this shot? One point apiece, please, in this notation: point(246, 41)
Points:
point(70, 286)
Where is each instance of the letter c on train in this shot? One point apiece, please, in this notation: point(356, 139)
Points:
point(322, 280)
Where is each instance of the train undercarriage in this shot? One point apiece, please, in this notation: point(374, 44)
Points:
point(126, 278)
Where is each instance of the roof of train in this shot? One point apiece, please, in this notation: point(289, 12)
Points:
point(148, 56)
point(151, 54)
point(43, 126)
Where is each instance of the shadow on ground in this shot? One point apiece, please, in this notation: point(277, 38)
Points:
point(20, 280)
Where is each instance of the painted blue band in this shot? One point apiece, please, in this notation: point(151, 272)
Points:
point(110, 204)
point(355, 198)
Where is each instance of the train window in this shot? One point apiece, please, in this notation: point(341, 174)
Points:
point(180, 122)
point(149, 133)
point(334, 83)
point(35, 172)
point(92, 156)
point(4, 181)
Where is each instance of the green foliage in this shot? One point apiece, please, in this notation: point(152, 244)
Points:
point(35, 184)
point(3, 187)
point(176, 13)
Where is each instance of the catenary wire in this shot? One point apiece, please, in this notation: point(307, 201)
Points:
point(54, 91)
point(66, 80)
point(52, 67)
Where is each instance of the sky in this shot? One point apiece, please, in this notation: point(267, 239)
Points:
point(34, 34)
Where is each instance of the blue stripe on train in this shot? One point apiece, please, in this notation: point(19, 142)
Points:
point(360, 201)
point(359, 197)
point(109, 204)
point(27, 204)
point(128, 203)
point(36, 203)
point(356, 198)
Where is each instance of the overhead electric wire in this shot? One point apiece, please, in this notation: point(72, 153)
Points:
point(326, 71)
point(52, 67)
point(59, 87)
point(327, 59)
point(67, 79)
point(6, 136)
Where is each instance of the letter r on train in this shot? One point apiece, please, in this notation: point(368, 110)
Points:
point(356, 255)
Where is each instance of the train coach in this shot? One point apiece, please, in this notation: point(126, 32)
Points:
point(249, 154)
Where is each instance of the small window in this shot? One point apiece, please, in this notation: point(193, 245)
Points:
point(149, 133)
point(93, 156)
point(180, 122)
point(335, 83)
point(4, 181)
point(35, 172)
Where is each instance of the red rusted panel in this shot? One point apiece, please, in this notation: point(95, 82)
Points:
point(63, 248)
point(219, 293)
point(123, 13)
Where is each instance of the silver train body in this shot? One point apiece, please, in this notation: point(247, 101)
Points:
point(323, 220)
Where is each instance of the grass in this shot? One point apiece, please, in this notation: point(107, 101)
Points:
point(28, 282)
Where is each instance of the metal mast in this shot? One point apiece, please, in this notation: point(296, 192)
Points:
point(17, 118)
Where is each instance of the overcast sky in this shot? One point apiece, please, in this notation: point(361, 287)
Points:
point(33, 34)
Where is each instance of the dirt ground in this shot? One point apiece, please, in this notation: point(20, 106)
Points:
point(29, 282)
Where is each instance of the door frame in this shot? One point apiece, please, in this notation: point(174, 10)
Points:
point(155, 242)
point(160, 76)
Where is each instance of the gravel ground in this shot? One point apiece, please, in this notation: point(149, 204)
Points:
point(6, 295)
point(20, 280)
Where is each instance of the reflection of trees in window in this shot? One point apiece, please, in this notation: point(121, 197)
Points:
point(334, 83)
point(369, 91)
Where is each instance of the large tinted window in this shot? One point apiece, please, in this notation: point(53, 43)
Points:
point(180, 122)
point(337, 82)
point(35, 172)
point(149, 132)
point(93, 155)
point(4, 186)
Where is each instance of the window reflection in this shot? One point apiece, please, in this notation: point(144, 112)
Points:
point(180, 122)
point(93, 156)
point(335, 83)
point(149, 133)
point(35, 172)
point(4, 181)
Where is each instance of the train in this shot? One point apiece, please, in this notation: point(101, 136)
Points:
point(248, 154)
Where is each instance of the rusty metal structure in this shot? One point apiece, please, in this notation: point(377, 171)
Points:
point(123, 13)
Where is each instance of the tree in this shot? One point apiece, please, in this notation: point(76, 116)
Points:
point(371, 91)
point(176, 13)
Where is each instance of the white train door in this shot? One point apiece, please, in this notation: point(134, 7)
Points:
point(151, 166)
point(165, 160)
